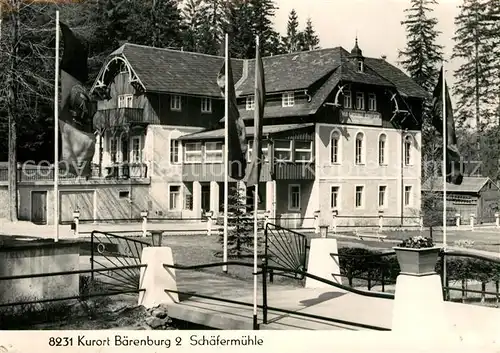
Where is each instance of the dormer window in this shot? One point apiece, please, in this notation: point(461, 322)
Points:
point(250, 103)
point(206, 105)
point(288, 99)
point(361, 66)
point(175, 103)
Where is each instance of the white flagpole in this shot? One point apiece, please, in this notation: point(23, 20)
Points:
point(444, 172)
point(256, 205)
point(56, 135)
point(226, 152)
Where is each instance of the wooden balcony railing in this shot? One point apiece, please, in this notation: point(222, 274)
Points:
point(118, 117)
point(32, 173)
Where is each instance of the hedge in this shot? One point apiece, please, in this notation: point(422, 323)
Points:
point(363, 263)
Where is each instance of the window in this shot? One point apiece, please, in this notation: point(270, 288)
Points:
point(283, 150)
point(382, 195)
point(250, 103)
point(361, 66)
point(407, 196)
point(372, 102)
point(381, 149)
point(265, 150)
point(213, 152)
point(303, 151)
point(334, 198)
point(192, 152)
point(136, 149)
point(113, 148)
point(359, 148)
point(206, 105)
point(360, 100)
point(123, 194)
point(174, 151)
point(334, 147)
point(175, 103)
point(125, 100)
point(359, 196)
point(174, 197)
point(407, 150)
point(288, 99)
point(294, 197)
point(125, 148)
point(347, 99)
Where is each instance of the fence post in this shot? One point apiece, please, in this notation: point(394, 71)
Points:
point(497, 219)
point(316, 221)
point(421, 223)
point(323, 230)
point(457, 219)
point(334, 223)
point(144, 215)
point(380, 220)
point(76, 221)
point(472, 216)
point(209, 215)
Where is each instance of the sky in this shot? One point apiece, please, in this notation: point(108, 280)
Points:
point(377, 24)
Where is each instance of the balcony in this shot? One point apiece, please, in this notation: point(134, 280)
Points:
point(120, 117)
point(122, 171)
point(205, 172)
point(125, 171)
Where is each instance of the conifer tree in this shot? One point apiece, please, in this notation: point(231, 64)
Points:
point(293, 39)
point(422, 59)
point(475, 84)
point(193, 16)
point(311, 39)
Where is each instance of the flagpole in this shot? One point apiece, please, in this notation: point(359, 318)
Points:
point(56, 135)
point(444, 170)
point(226, 151)
point(255, 199)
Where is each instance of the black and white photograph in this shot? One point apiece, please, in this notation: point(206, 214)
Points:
point(249, 165)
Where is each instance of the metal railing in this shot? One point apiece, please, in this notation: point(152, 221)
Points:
point(264, 270)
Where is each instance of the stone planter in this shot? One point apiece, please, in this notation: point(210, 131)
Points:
point(417, 262)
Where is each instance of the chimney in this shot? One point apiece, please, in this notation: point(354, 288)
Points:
point(383, 56)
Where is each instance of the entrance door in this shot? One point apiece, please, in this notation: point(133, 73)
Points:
point(39, 207)
point(205, 197)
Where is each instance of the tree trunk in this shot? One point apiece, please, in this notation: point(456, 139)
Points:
point(12, 112)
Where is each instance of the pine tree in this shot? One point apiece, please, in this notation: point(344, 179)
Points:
point(212, 26)
point(240, 27)
point(263, 12)
point(311, 39)
point(293, 38)
point(422, 59)
point(193, 15)
point(475, 84)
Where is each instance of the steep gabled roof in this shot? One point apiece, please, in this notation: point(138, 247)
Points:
point(469, 185)
point(174, 71)
point(293, 71)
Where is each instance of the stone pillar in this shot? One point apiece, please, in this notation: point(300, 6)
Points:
point(197, 199)
point(322, 264)
point(155, 278)
point(214, 198)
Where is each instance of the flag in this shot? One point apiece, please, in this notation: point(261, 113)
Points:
point(453, 174)
point(260, 99)
point(76, 110)
point(237, 145)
